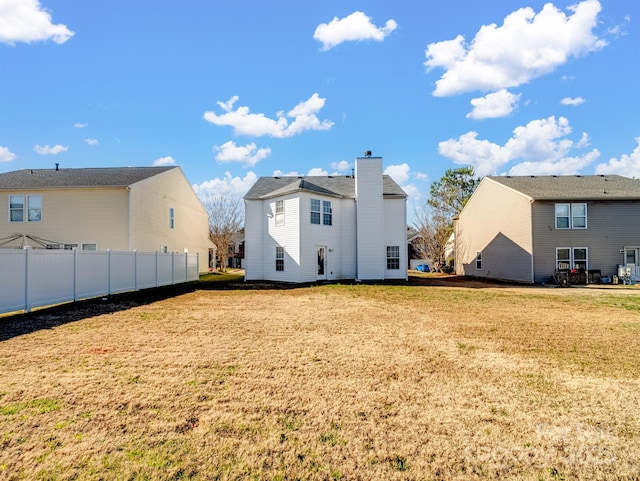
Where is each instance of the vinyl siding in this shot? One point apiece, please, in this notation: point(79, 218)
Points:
point(610, 227)
point(371, 252)
point(395, 234)
point(497, 222)
point(75, 216)
point(286, 236)
point(255, 223)
point(149, 227)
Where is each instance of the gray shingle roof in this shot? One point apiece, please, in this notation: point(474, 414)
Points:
point(336, 186)
point(573, 187)
point(92, 177)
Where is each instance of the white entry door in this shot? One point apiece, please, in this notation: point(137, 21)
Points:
point(321, 262)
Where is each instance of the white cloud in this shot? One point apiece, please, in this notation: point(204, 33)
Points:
point(80, 125)
point(497, 104)
point(46, 150)
point(399, 173)
point(317, 171)
point(247, 154)
point(573, 101)
point(341, 166)
point(6, 155)
point(527, 45)
point(27, 21)
point(162, 161)
point(356, 26)
point(235, 186)
point(246, 123)
point(92, 141)
point(627, 165)
point(542, 146)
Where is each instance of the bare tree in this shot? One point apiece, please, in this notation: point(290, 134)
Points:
point(225, 221)
point(433, 231)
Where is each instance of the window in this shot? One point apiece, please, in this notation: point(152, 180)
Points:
point(393, 257)
point(571, 216)
point(279, 212)
point(562, 216)
point(164, 249)
point(572, 258)
point(327, 213)
point(580, 258)
point(315, 211)
point(563, 258)
point(17, 208)
point(171, 218)
point(279, 258)
point(579, 216)
point(89, 247)
point(478, 260)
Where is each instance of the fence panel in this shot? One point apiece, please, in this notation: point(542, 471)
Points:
point(51, 277)
point(13, 280)
point(36, 278)
point(92, 271)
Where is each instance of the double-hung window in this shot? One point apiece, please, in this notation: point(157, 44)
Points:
point(478, 260)
point(172, 218)
point(19, 211)
point(327, 213)
point(571, 216)
point(572, 258)
point(315, 211)
point(393, 257)
point(279, 258)
point(279, 212)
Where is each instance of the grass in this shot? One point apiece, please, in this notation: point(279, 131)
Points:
point(418, 382)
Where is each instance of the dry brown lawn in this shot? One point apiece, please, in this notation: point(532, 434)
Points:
point(433, 381)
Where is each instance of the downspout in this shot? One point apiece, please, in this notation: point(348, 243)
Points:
point(129, 214)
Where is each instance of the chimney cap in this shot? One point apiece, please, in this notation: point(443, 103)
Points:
point(367, 153)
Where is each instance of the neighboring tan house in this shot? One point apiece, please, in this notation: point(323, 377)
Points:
point(526, 228)
point(305, 229)
point(147, 209)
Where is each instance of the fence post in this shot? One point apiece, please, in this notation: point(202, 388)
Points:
point(26, 280)
point(109, 271)
point(75, 274)
point(173, 268)
point(135, 270)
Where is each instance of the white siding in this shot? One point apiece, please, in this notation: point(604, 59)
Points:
point(254, 223)
point(286, 236)
point(395, 234)
point(371, 252)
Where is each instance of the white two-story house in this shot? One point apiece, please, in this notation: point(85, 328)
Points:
point(317, 228)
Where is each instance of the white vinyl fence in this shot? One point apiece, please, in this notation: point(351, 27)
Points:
point(32, 278)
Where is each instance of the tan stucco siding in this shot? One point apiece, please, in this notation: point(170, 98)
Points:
point(74, 216)
point(150, 229)
point(497, 222)
point(611, 226)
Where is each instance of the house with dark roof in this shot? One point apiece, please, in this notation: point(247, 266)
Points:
point(529, 228)
point(122, 209)
point(316, 228)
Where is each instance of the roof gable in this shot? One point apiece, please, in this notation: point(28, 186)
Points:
point(337, 186)
point(91, 177)
point(573, 187)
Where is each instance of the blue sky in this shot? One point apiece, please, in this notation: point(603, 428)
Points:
point(231, 91)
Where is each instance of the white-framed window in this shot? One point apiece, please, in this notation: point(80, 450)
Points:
point(18, 208)
point(327, 213)
point(572, 258)
point(279, 258)
point(315, 211)
point(393, 257)
point(172, 218)
point(478, 260)
point(571, 216)
point(164, 249)
point(89, 246)
point(279, 212)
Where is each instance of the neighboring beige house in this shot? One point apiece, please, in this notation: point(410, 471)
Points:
point(525, 228)
point(147, 209)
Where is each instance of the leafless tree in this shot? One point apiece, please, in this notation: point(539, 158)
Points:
point(433, 231)
point(225, 221)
